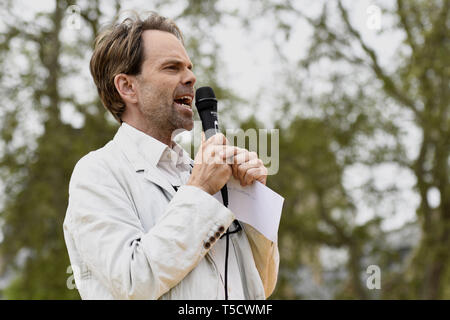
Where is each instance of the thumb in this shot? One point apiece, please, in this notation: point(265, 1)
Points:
point(203, 142)
point(203, 137)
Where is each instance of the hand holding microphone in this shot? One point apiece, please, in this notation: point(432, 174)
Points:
point(212, 167)
point(248, 168)
point(211, 170)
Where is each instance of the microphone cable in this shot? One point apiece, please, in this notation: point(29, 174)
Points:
point(227, 242)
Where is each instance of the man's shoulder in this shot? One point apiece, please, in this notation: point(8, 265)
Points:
point(99, 161)
point(100, 155)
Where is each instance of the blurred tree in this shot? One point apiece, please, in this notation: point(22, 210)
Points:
point(46, 62)
point(318, 211)
point(361, 106)
point(340, 107)
point(36, 166)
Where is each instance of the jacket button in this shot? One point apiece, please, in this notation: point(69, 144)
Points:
point(221, 229)
point(207, 245)
point(217, 235)
point(212, 239)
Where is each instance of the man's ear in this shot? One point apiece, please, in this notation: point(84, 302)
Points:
point(126, 86)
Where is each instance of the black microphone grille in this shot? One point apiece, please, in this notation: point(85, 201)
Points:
point(205, 98)
point(204, 92)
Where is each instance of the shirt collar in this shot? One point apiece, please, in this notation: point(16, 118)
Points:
point(154, 151)
point(179, 156)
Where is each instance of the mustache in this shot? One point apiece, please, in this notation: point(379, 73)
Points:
point(185, 91)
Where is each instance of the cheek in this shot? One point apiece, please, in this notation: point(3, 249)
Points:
point(149, 94)
point(156, 91)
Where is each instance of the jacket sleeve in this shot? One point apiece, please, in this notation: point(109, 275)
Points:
point(109, 237)
point(266, 256)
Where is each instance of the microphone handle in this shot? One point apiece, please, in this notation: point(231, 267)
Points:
point(209, 133)
point(224, 192)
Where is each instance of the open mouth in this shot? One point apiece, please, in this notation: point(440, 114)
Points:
point(184, 101)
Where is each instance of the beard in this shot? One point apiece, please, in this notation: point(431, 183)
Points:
point(159, 111)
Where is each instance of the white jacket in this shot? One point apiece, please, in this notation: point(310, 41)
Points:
point(129, 235)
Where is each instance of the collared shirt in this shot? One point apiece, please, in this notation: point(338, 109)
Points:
point(175, 164)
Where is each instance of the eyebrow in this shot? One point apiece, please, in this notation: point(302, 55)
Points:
point(177, 62)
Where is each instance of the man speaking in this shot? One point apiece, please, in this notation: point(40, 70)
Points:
point(142, 222)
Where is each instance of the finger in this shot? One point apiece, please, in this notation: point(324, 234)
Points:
point(219, 139)
point(234, 169)
point(225, 152)
point(228, 171)
point(208, 141)
point(244, 156)
point(216, 139)
point(242, 168)
point(207, 147)
point(253, 174)
point(241, 157)
point(250, 176)
point(235, 162)
point(202, 141)
point(205, 142)
point(230, 157)
point(199, 156)
point(219, 154)
point(263, 177)
point(253, 163)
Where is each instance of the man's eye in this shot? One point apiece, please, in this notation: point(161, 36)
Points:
point(172, 67)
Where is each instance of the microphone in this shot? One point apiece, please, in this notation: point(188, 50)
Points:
point(206, 104)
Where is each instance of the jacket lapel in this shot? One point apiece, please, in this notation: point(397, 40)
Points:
point(154, 175)
point(151, 173)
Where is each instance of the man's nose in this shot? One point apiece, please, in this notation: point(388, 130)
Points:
point(189, 78)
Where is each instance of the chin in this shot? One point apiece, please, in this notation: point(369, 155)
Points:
point(189, 126)
point(186, 126)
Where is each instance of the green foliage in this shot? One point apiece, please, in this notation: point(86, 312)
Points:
point(359, 122)
point(37, 170)
point(36, 179)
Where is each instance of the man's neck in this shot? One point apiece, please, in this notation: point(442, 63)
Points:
point(164, 137)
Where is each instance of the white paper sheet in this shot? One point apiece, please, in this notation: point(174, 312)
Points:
point(256, 205)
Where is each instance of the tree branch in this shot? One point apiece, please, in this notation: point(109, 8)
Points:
point(389, 85)
point(401, 10)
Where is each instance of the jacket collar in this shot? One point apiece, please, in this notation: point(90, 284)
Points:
point(144, 162)
point(149, 148)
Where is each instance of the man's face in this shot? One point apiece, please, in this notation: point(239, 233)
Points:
point(165, 87)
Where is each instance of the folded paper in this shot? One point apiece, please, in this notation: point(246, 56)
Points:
point(256, 205)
